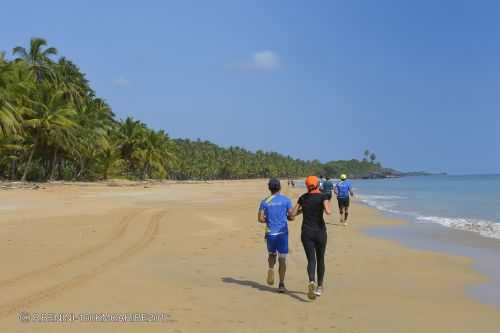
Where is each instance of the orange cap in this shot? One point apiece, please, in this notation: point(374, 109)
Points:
point(312, 182)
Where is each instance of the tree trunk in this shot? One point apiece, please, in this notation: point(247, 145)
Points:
point(60, 168)
point(13, 169)
point(53, 165)
point(82, 167)
point(145, 171)
point(107, 166)
point(28, 164)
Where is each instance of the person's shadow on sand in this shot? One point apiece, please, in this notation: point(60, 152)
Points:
point(262, 287)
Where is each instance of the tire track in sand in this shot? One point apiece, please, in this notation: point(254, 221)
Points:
point(116, 234)
point(56, 290)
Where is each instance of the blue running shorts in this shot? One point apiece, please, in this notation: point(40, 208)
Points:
point(277, 243)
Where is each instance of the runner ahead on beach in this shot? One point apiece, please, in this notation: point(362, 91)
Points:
point(312, 205)
point(275, 210)
point(343, 189)
point(327, 188)
point(321, 182)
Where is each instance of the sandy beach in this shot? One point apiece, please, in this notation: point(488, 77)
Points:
point(196, 253)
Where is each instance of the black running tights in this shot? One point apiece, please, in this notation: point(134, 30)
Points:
point(314, 243)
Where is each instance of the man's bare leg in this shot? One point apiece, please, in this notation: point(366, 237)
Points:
point(270, 272)
point(282, 269)
point(282, 272)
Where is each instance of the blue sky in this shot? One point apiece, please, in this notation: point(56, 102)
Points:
point(418, 82)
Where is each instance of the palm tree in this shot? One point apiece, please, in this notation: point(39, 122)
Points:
point(4, 68)
point(132, 136)
point(10, 149)
point(111, 160)
point(74, 84)
point(9, 118)
point(366, 155)
point(155, 153)
point(37, 57)
point(52, 121)
point(92, 136)
point(48, 115)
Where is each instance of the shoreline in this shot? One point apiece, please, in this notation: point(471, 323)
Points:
point(197, 253)
point(484, 252)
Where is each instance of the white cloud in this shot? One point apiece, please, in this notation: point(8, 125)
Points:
point(121, 82)
point(265, 60)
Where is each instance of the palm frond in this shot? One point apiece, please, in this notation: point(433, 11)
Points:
point(20, 51)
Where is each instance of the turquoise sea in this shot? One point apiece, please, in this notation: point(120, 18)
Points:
point(458, 215)
point(470, 203)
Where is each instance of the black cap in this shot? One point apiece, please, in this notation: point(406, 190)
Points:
point(274, 185)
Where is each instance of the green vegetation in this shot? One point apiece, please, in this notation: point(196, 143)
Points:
point(54, 127)
point(354, 168)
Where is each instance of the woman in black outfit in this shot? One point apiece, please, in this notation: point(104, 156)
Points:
point(312, 205)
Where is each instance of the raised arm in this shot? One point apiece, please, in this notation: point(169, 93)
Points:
point(328, 207)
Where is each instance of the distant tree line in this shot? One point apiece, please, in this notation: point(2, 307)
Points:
point(54, 127)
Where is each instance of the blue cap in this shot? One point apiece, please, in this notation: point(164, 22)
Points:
point(274, 184)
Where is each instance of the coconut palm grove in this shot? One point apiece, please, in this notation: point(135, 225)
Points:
point(53, 126)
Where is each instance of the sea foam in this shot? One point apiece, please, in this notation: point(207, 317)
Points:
point(387, 203)
point(381, 202)
point(485, 228)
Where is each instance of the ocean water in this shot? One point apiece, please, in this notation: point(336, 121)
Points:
point(457, 215)
point(468, 203)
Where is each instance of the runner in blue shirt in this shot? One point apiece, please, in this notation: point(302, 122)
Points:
point(327, 188)
point(321, 182)
point(343, 189)
point(275, 211)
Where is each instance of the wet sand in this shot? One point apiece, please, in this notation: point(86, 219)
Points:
point(484, 252)
point(196, 252)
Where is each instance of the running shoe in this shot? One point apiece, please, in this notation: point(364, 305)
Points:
point(270, 277)
point(281, 288)
point(341, 219)
point(311, 288)
point(319, 291)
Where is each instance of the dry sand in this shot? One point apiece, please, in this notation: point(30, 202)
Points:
point(195, 251)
